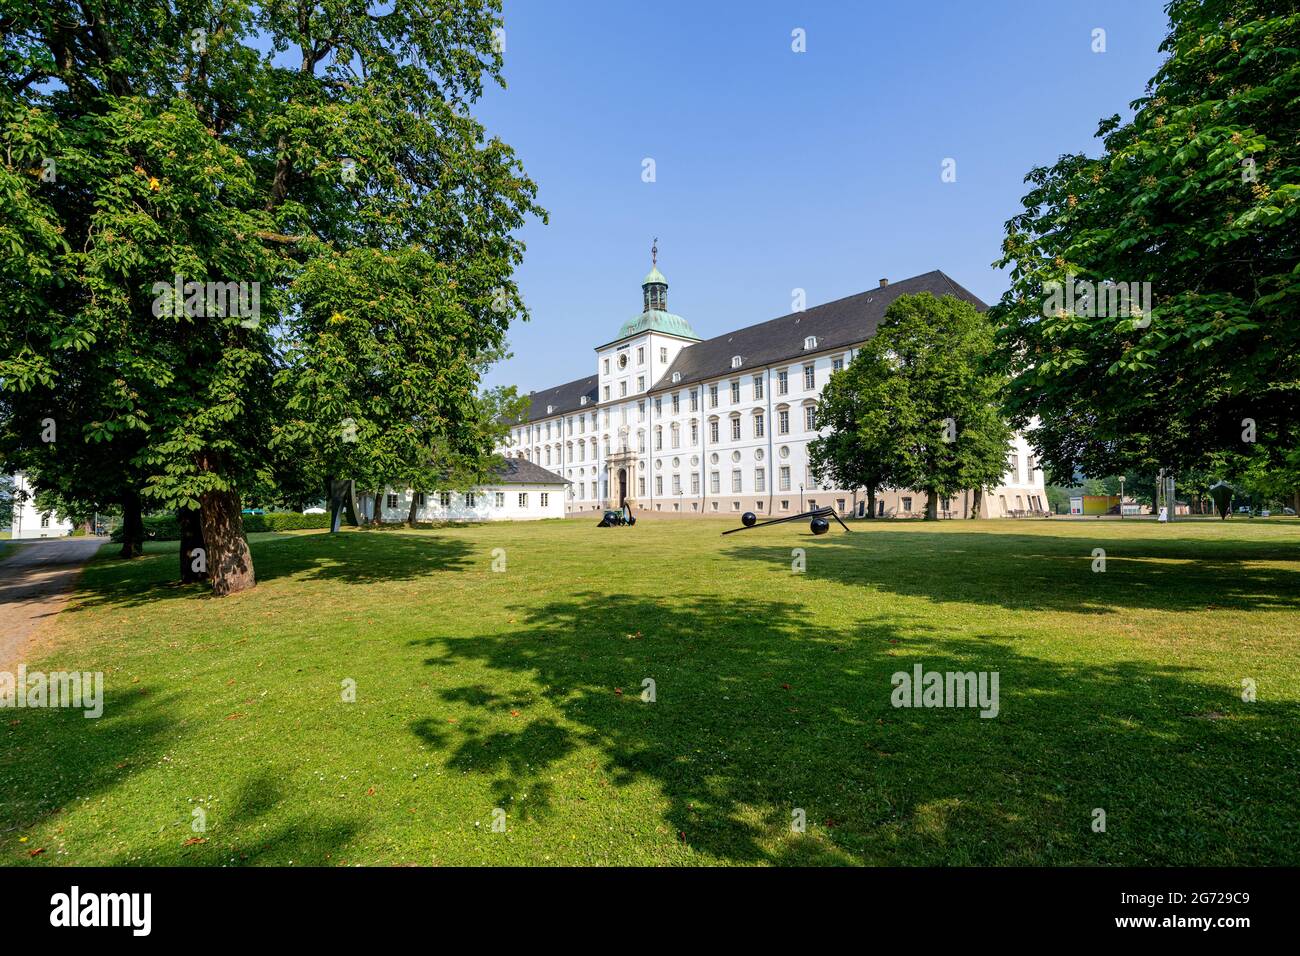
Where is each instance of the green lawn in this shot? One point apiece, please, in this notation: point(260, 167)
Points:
point(476, 690)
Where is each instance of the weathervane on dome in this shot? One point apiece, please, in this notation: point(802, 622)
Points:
point(654, 252)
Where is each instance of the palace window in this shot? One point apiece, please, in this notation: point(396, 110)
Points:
point(392, 501)
point(760, 480)
point(622, 389)
point(523, 499)
point(735, 429)
point(810, 417)
point(640, 383)
point(758, 426)
point(640, 485)
point(606, 366)
point(758, 387)
point(695, 482)
point(677, 484)
point(659, 406)
point(837, 364)
point(659, 484)
point(783, 422)
point(470, 499)
point(640, 355)
point(735, 392)
point(546, 498)
point(713, 396)
point(444, 499)
point(810, 342)
point(713, 431)
point(809, 378)
point(735, 481)
point(677, 403)
point(695, 400)
point(695, 434)
point(783, 382)
point(663, 354)
point(714, 483)
point(784, 475)
point(659, 437)
point(676, 436)
point(499, 499)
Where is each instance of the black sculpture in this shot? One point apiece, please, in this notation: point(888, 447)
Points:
point(617, 519)
point(818, 516)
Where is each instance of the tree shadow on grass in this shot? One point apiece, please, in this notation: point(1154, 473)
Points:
point(1046, 573)
point(348, 558)
point(759, 713)
point(242, 837)
point(55, 757)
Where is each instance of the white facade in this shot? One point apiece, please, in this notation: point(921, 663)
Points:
point(731, 441)
point(503, 502)
point(30, 523)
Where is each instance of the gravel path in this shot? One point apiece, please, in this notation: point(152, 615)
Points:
point(35, 582)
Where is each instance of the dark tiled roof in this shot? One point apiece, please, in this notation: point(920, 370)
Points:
point(520, 471)
point(563, 398)
point(838, 324)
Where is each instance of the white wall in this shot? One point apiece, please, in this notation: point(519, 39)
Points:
point(28, 522)
point(568, 451)
point(485, 505)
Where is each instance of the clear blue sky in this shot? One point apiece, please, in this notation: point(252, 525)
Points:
point(779, 170)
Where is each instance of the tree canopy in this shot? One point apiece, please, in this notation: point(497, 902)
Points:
point(1178, 247)
point(918, 406)
point(210, 208)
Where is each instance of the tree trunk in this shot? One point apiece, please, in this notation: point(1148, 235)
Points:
point(931, 505)
point(379, 502)
point(192, 540)
point(977, 505)
point(410, 517)
point(871, 501)
point(132, 526)
point(230, 563)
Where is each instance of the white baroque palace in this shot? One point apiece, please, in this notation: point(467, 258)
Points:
point(676, 424)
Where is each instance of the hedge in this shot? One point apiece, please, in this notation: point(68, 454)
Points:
point(167, 528)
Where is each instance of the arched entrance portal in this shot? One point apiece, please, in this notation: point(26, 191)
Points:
point(622, 487)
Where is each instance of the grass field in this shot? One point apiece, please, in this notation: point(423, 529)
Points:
point(521, 690)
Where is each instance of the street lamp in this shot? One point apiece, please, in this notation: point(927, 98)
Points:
point(1121, 497)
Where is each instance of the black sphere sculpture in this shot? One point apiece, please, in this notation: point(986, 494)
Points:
point(819, 525)
point(748, 519)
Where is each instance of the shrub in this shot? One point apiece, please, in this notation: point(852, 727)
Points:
point(165, 527)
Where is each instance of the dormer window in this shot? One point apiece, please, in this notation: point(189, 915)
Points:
point(583, 400)
point(810, 342)
point(677, 377)
point(736, 361)
point(550, 409)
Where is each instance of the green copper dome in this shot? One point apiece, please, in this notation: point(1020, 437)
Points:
point(654, 275)
point(656, 320)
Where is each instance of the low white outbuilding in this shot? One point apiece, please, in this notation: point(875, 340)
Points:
point(523, 491)
point(30, 523)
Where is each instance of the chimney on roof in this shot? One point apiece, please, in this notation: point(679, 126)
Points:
point(883, 283)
